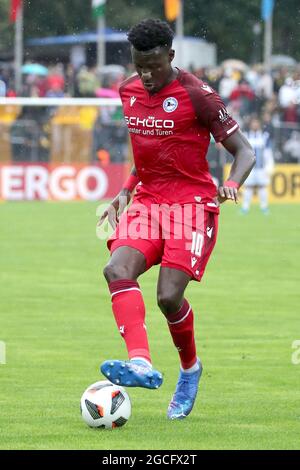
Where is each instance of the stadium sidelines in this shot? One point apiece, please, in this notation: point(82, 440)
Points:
point(67, 182)
point(285, 184)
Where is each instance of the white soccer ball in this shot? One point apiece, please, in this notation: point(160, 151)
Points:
point(105, 405)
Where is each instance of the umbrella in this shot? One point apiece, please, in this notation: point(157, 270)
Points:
point(112, 72)
point(106, 93)
point(235, 64)
point(113, 68)
point(283, 61)
point(34, 69)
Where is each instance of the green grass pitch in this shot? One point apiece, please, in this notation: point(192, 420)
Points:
point(57, 324)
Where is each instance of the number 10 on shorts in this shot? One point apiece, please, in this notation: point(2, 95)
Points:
point(197, 244)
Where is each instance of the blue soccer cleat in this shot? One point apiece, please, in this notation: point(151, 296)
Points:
point(244, 211)
point(135, 373)
point(185, 394)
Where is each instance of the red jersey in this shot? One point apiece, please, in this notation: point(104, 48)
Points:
point(170, 134)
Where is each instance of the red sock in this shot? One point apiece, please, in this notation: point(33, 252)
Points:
point(181, 326)
point(129, 311)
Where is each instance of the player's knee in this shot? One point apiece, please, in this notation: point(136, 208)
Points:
point(168, 303)
point(115, 272)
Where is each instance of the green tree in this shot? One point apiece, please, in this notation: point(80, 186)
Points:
point(6, 29)
point(44, 18)
point(230, 25)
point(227, 23)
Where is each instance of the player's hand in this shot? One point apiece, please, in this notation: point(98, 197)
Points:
point(116, 208)
point(225, 193)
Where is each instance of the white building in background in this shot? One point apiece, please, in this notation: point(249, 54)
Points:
point(194, 52)
point(77, 48)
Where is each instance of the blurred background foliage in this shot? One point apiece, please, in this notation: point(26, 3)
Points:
point(231, 25)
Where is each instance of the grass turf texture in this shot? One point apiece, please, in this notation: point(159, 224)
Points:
point(57, 324)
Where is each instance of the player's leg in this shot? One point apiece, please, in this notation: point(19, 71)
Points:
point(124, 267)
point(180, 318)
point(248, 193)
point(247, 198)
point(179, 315)
point(121, 273)
point(263, 198)
point(185, 258)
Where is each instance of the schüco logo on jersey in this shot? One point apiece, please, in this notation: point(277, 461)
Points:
point(150, 122)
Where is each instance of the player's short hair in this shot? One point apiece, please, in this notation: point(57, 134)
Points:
point(149, 34)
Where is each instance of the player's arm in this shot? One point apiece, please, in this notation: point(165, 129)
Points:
point(116, 208)
point(212, 114)
point(244, 161)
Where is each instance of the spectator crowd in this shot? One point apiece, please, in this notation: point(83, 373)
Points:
point(247, 91)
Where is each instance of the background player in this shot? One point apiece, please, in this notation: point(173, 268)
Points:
point(170, 115)
point(259, 179)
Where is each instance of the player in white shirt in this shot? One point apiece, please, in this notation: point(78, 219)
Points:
point(259, 178)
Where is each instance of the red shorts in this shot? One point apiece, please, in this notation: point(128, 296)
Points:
point(178, 236)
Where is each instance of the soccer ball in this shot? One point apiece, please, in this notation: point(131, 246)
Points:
point(105, 405)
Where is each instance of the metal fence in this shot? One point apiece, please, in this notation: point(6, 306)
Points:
point(63, 131)
point(93, 130)
point(286, 142)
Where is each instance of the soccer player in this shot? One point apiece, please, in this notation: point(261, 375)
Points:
point(260, 176)
point(170, 115)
